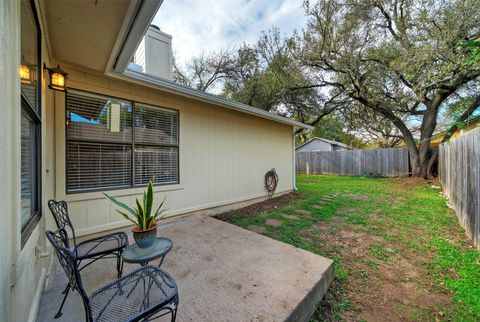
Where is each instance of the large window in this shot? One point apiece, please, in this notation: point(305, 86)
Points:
point(30, 119)
point(103, 152)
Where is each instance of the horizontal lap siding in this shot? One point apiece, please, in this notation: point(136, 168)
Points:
point(385, 162)
point(459, 167)
point(224, 155)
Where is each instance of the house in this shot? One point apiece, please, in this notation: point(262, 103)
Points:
point(469, 125)
point(108, 127)
point(321, 144)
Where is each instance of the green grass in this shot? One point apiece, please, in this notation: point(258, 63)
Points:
point(402, 221)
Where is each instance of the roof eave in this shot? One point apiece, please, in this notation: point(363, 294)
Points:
point(171, 87)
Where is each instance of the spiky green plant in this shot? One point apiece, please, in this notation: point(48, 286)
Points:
point(142, 215)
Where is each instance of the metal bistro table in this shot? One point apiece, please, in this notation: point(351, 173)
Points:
point(160, 247)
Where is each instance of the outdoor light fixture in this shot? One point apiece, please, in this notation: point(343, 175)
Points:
point(25, 74)
point(57, 78)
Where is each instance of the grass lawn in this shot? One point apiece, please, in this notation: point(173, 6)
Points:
point(399, 252)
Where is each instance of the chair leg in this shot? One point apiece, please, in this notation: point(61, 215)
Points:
point(66, 288)
point(174, 314)
point(119, 264)
point(59, 313)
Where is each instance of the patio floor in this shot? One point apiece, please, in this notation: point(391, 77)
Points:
point(224, 273)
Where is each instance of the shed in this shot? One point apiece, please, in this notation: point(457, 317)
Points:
point(321, 144)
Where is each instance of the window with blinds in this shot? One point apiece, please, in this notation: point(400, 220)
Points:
point(103, 152)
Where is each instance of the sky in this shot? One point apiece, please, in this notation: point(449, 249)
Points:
point(205, 26)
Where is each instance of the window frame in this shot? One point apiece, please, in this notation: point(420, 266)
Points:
point(130, 143)
point(160, 145)
point(34, 113)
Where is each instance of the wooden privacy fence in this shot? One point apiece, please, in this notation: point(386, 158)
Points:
point(383, 162)
point(459, 168)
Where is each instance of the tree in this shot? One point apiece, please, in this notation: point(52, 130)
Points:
point(375, 130)
point(265, 73)
point(400, 59)
point(204, 72)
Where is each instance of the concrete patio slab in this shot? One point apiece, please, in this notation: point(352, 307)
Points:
point(224, 273)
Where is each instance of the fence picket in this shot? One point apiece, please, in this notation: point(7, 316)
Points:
point(384, 162)
point(459, 167)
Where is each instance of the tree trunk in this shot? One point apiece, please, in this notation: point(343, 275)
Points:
point(421, 164)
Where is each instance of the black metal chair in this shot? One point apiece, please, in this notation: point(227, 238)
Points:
point(147, 293)
point(91, 250)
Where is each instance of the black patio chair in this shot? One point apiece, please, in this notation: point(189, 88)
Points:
point(147, 293)
point(91, 250)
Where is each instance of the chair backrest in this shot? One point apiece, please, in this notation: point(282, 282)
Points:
point(59, 210)
point(68, 261)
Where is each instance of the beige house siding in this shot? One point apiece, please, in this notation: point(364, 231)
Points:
point(22, 269)
point(224, 154)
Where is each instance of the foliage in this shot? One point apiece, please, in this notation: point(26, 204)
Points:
point(332, 127)
point(408, 222)
point(204, 72)
point(473, 47)
point(389, 67)
point(142, 215)
point(272, 70)
point(399, 59)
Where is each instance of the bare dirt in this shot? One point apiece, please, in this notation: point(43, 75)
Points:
point(267, 205)
point(393, 289)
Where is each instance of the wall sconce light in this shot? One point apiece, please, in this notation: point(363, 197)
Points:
point(25, 74)
point(57, 78)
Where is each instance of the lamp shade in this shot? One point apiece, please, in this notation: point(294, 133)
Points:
point(25, 74)
point(57, 79)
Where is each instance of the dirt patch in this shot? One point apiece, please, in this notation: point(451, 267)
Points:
point(257, 229)
point(346, 210)
point(407, 183)
point(293, 217)
point(321, 225)
point(397, 288)
point(396, 293)
point(269, 204)
point(273, 222)
point(303, 212)
point(357, 197)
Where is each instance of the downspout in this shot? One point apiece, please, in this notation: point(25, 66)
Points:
point(294, 172)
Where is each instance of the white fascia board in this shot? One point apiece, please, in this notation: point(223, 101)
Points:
point(137, 20)
point(168, 86)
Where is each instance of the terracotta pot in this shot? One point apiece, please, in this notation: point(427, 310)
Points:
point(144, 238)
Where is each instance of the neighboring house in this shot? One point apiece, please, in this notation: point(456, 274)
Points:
point(321, 144)
point(111, 130)
point(469, 125)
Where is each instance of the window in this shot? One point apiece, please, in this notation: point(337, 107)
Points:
point(30, 120)
point(103, 152)
point(156, 145)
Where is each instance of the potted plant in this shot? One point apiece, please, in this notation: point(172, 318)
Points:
point(144, 220)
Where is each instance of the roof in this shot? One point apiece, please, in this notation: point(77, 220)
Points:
point(172, 87)
point(325, 140)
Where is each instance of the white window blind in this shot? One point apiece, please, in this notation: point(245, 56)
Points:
point(156, 149)
point(104, 153)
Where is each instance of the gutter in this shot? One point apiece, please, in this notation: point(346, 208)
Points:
point(294, 163)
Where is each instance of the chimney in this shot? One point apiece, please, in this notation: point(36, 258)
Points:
point(154, 54)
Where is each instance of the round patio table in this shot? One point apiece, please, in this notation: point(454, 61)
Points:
point(160, 247)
